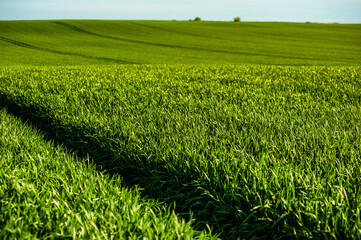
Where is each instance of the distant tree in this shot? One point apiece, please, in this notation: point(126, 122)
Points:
point(237, 19)
point(197, 19)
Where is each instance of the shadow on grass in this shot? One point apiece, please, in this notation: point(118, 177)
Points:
point(160, 185)
point(186, 195)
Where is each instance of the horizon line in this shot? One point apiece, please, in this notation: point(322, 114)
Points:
point(174, 20)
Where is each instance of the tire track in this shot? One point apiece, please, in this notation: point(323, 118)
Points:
point(169, 30)
point(187, 33)
point(26, 45)
point(75, 28)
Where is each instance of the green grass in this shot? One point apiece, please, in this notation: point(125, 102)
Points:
point(179, 130)
point(249, 151)
point(48, 193)
point(117, 42)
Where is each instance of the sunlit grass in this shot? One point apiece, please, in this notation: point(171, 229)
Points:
point(48, 193)
point(84, 42)
point(249, 150)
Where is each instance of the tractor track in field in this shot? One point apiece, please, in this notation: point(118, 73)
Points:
point(29, 46)
point(169, 30)
point(75, 28)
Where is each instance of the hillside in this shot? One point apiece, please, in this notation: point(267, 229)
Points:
point(179, 130)
point(83, 42)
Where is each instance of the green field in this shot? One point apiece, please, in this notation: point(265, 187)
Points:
point(179, 130)
point(113, 42)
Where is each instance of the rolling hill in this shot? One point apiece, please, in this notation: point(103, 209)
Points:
point(83, 42)
point(179, 130)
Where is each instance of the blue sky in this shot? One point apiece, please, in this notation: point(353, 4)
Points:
point(343, 11)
